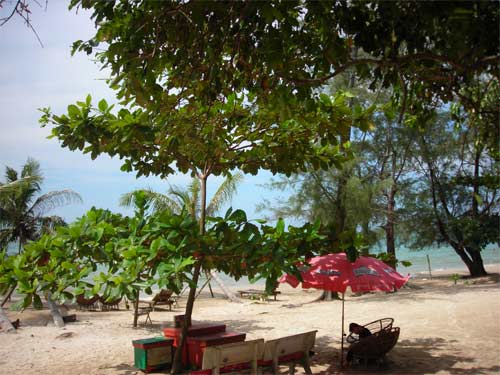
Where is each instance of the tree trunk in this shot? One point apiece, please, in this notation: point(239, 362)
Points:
point(54, 311)
point(136, 308)
point(389, 226)
point(7, 297)
point(476, 267)
point(177, 367)
point(472, 259)
point(5, 323)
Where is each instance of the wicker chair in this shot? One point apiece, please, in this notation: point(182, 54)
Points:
point(376, 346)
point(374, 327)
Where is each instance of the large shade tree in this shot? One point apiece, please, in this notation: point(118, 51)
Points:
point(456, 201)
point(212, 87)
point(282, 49)
point(162, 130)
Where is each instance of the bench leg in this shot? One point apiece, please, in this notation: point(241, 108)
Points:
point(307, 367)
point(276, 367)
point(148, 318)
point(291, 368)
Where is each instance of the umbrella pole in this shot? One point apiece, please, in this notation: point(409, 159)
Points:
point(342, 337)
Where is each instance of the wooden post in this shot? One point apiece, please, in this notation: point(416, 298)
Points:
point(342, 337)
point(136, 307)
point(429, 265)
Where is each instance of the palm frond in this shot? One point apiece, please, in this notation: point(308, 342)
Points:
point(159, 202)
point(52, 200)
point(163, 202)
point(127, 199)
point(31, 168)
point(10, 174)
point(48, 224)
point(224, 193)
point(183, 198)
point(12, 186)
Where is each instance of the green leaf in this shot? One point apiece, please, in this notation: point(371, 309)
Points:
point(280, 227)
point(102, 105)
point(37, 302)
point(67, 266)
point(74, 111)
point(238, 216)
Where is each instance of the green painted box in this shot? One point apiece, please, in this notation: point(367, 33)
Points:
point(153, 353)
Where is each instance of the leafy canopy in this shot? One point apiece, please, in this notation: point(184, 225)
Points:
point(283, 51)
point(114, 256)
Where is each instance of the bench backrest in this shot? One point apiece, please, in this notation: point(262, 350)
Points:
point(216, 357)
point(283, 346)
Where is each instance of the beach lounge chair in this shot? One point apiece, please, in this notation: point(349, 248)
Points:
point(289, 350)
point(109, 305)
point(163, 297)
point(88, 304)
point(376, 346)
point(260, 294)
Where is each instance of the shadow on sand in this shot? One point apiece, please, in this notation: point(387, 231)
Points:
point(420, 356)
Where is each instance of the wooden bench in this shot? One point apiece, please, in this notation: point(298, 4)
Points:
point(255, 354)
point(289, 350)
point(233, 357)
point(261, 294)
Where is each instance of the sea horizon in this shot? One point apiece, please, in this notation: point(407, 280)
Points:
point(441, 259)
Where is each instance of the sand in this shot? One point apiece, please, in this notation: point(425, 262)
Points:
point(445, 329)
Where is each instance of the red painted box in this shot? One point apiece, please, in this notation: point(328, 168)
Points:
point(194, 330)
point(197, 344)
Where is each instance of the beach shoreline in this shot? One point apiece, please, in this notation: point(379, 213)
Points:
point(446, 328)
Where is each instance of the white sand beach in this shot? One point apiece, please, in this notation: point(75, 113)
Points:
point(445, 329)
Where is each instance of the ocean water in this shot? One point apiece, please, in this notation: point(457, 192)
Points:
point(440, 258)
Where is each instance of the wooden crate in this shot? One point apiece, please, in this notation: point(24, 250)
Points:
point(153, 353)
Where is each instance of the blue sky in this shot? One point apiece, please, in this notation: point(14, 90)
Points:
point(33, 77)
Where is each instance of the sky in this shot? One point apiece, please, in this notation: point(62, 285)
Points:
point(32, 77)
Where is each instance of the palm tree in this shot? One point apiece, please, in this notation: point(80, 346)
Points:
point(179, 199)
point(23, 210)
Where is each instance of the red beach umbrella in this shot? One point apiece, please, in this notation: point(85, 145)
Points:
point(334, 272)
